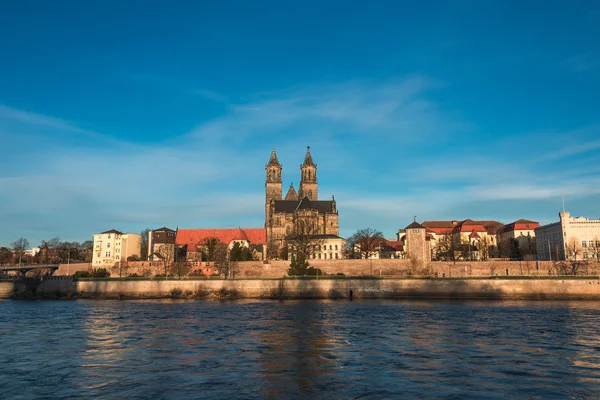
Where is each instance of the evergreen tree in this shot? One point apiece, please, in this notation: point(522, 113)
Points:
point(298, 265)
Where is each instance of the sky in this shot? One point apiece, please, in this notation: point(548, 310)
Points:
point(139, 114)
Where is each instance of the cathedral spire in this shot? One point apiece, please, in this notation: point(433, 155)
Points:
point(308, 161)
point(273, 161)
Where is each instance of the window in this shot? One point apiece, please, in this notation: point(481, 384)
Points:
point(584, 244)
point(336, 256)
point(319, 256)
point(330, 247)
point(330, 256)
point(109, 235)
point(98, 254)
point(117, 257)
point(336, 246)
point(585, 255)
point(591, 244)
point(107, 254)
point(107, 245)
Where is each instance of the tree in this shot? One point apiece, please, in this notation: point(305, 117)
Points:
point(484, 248)
point(447, 247)
point(144, 244)
point(240, 253)
point(5, 255)
point(573, 249)
point(595, 248)
point(303, 237)
point(366, 242)
point(180, 268)
point(19, 246)
point(213, 248)
point(166, 253)
point(298, 265)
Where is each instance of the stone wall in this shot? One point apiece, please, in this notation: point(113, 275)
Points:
point(402, 267)
point(497, 288)
point(70, 269)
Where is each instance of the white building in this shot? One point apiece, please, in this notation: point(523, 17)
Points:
point(32, 252)
point(112, 248)
point(570, 238)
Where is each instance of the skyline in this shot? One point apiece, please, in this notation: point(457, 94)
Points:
point(114, 116)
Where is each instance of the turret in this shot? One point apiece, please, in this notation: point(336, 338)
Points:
point(273, 185)
point(309, 186)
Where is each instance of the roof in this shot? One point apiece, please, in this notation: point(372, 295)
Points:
point(415, 225)
point(327, 236)
point(164, 228)
point(444, 227)
point(308, 161)
point(227, 235)
point(520, 225)
point(290, 206)
point(273, 161)
point(394, 244)
point(113, 231)
point(291, 194)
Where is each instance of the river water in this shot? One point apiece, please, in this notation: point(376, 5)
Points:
point(299, 349)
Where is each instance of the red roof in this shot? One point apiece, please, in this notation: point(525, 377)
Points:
point(521, 225)
point(394, 244)
point(227, 235)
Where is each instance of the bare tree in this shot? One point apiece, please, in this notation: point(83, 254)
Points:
point(573, 249)
point(595, 248)
point(366, 242)
point(166, 253)
point(144, 244)
point(302, 238)
point(447, 247)
point(484, 248)
point(213, 248)
point(19, 246)
point(180, 268)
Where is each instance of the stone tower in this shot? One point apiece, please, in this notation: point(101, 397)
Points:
point(273, 185)
point(309, 186)
point(417, 245)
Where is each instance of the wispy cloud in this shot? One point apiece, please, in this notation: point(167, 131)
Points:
point(398, 111)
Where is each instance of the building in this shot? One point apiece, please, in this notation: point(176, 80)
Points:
point(112, 248)
point(521, 231)
point(157, 239)
point(32, 252)
point(416, 243)
point(299, 212)
point(571, 238)
point(193, 242)
point(325, 247)
point(466, 238)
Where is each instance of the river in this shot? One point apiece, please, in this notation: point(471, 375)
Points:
point(299, 349)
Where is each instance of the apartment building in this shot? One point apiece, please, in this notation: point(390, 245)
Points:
point(111, 248)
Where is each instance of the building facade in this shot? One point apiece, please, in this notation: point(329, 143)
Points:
point(571, 238)
point(298, 211)
point(159, 238)
point(112, 248)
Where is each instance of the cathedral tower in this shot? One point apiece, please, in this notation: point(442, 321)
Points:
point(309, 186)
point(273, 185)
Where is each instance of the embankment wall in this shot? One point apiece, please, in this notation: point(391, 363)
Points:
point(495, 288)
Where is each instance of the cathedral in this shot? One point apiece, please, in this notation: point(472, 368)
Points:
point(282, 214)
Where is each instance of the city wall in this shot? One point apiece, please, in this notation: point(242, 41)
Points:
point(351, 267)
point(490, 288)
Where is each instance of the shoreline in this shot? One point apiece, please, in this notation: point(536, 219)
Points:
point(514, 288)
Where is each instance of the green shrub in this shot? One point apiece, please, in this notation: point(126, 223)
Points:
point(100, 273)
point(81, 274)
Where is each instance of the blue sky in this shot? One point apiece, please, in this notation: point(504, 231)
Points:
point(136, 114)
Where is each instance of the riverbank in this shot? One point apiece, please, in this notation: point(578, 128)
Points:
point(557, 288)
